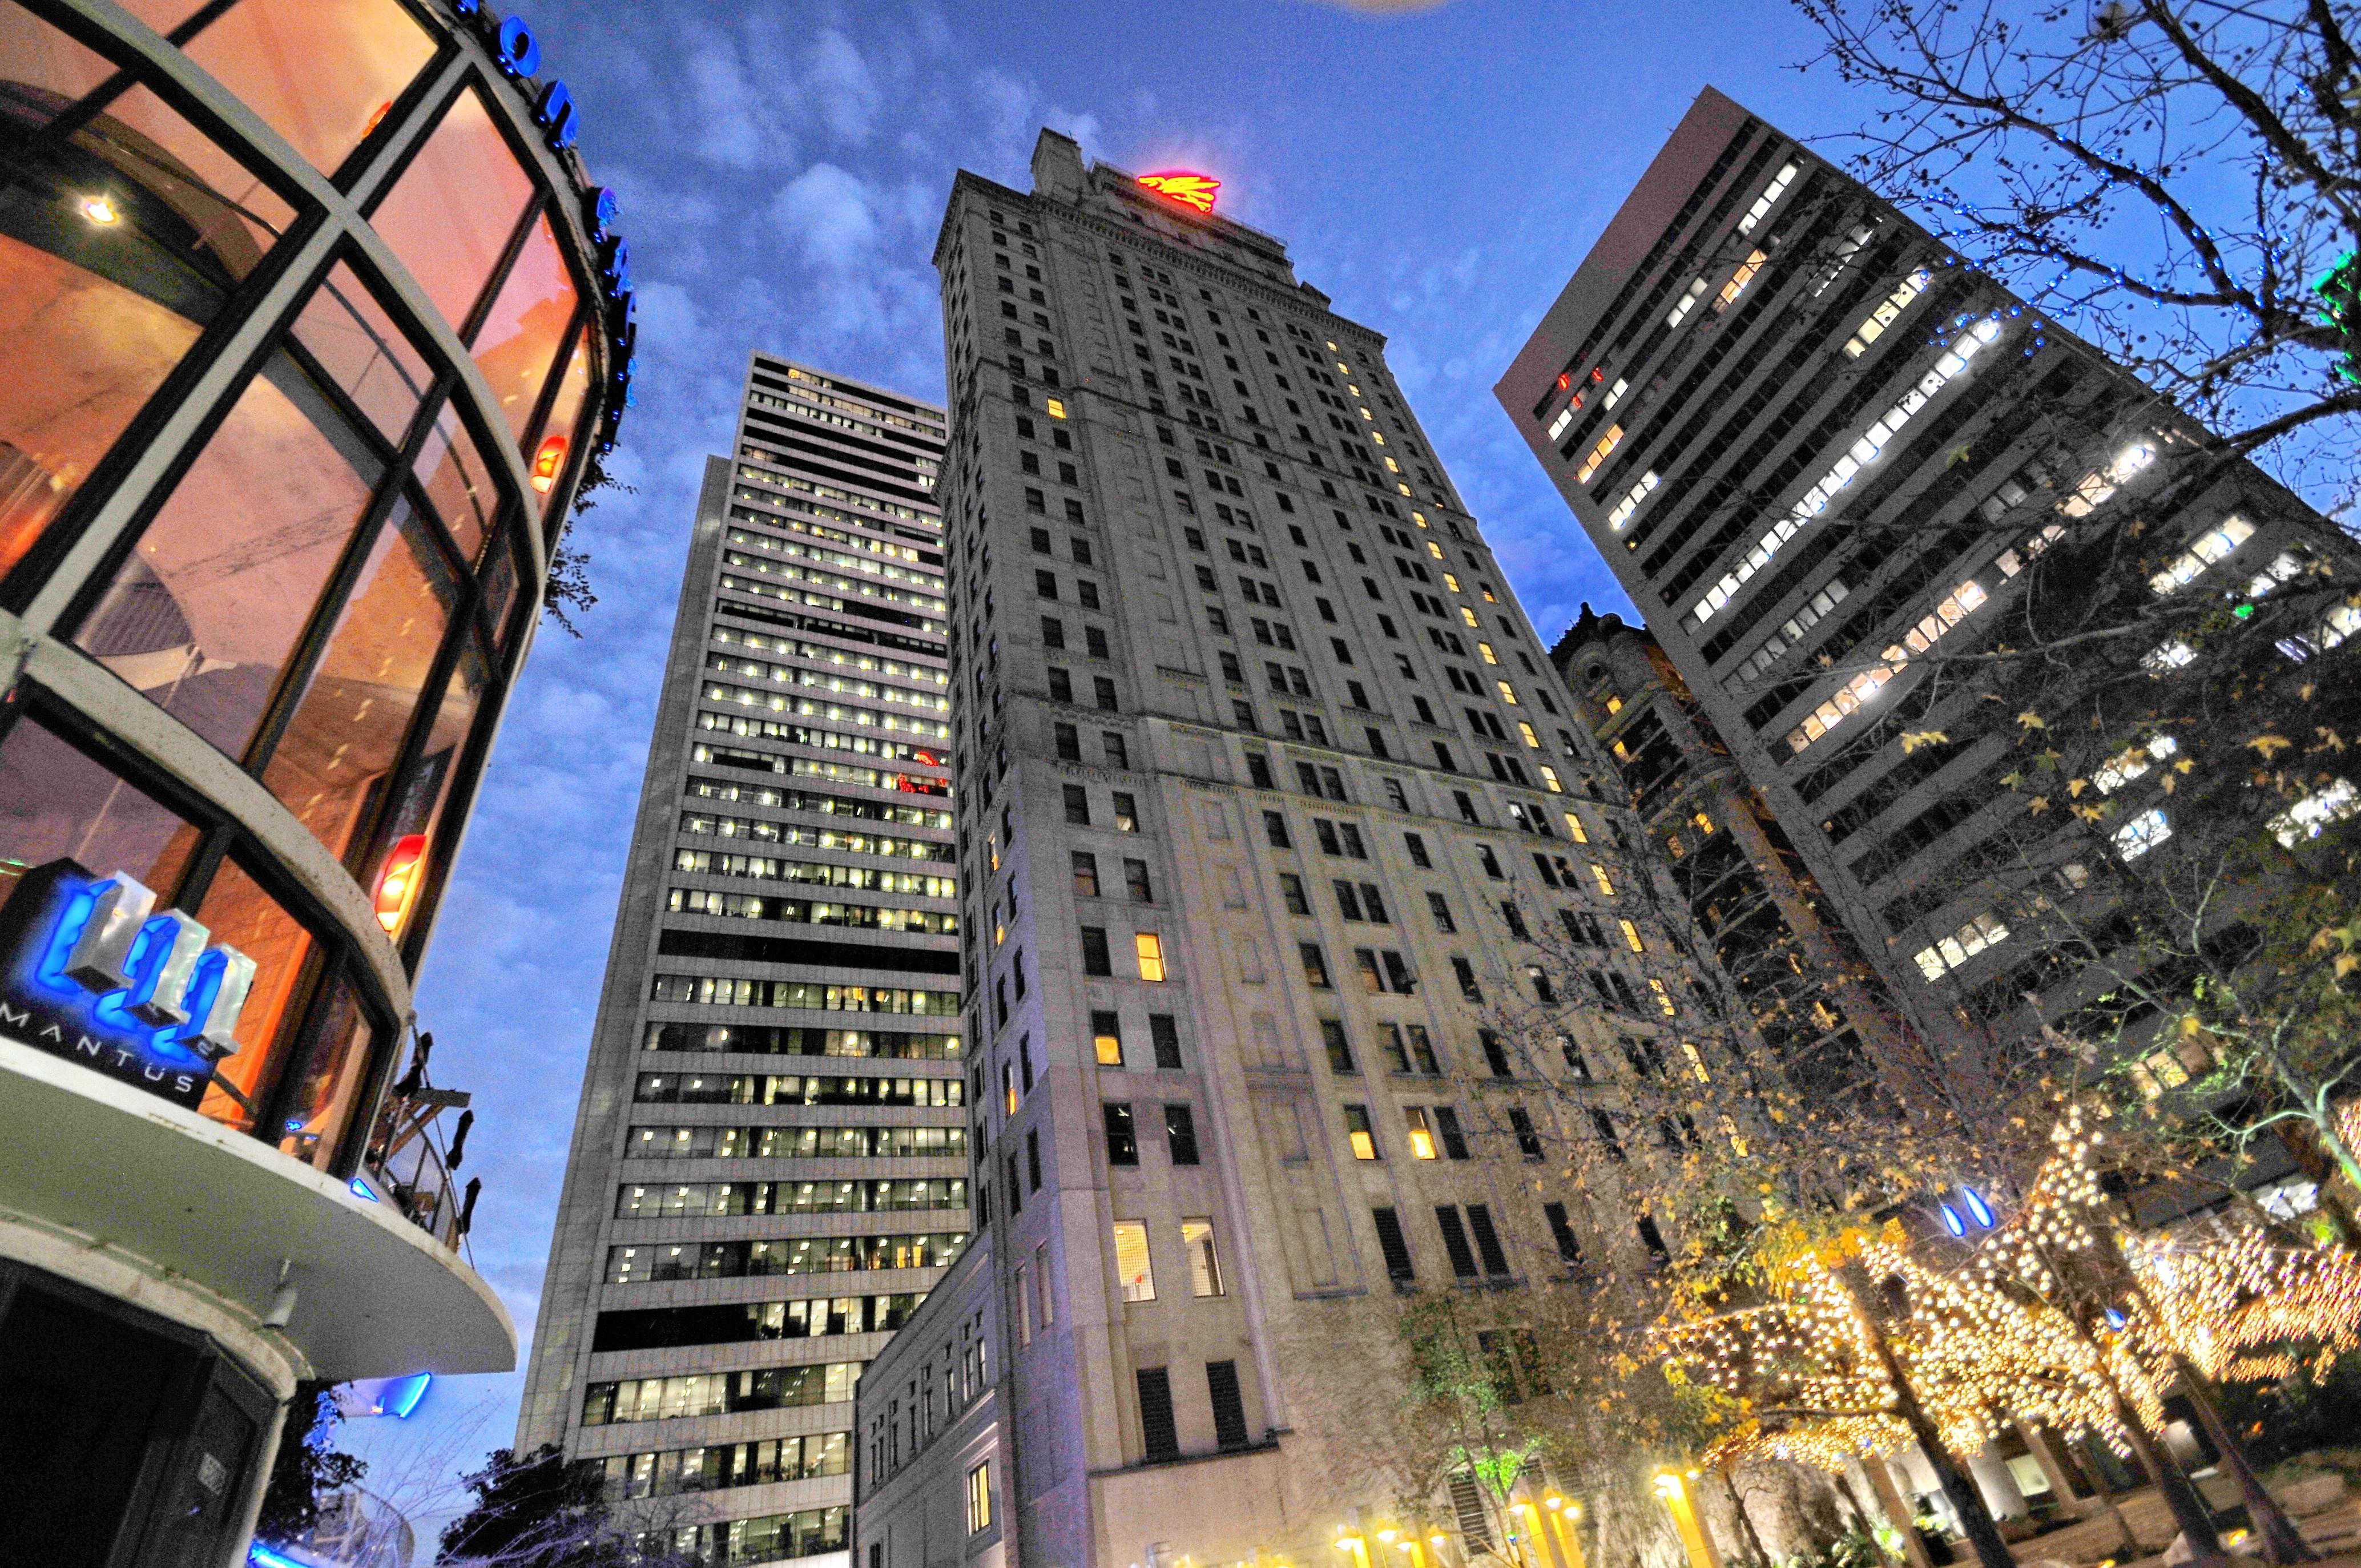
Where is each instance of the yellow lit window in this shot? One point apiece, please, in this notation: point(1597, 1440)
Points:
point(1469, 616)
point(1453, 584)
point(1614, 705)
point(1599, 873)
point(1108, 1040)
point(1055, 406)
point(1663, 999)
point(1486, 650)
point(1574, 829)
point(1704, 823)
point(1359, 1134)
point(1730, 1130)
point(1419, 518)
point(1131, 1261)
point(1527, 731)
point(1008, 1087)
point(992, 850)
point(1434, 550)
point(1697, 1061)
point(1150, 948)
point(1549, 780)
point(1508, 693)
point(1421, 1137)
point(1631, 936)
point(979, 1497)
point(1607, 443)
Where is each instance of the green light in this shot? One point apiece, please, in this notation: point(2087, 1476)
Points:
point(2243, 611)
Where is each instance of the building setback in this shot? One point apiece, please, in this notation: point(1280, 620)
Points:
point(769, 1167)
point(1264, 776)
point(1818, 454)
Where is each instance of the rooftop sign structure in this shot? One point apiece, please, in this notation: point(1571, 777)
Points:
point(1189, 189)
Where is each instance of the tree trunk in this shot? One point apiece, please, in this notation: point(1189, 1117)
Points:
point(2188, 1509)
point(2282, 1542)
point(1749, 1538)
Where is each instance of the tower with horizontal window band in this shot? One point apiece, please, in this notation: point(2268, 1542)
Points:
point(1823, 456)
point(1264, 782)
point(769, 1169)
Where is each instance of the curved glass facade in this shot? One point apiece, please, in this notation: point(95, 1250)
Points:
point(307, 337)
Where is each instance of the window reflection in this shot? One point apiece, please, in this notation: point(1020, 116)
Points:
point(359, 345)
point(346, 733)
point(519, 338)
point(329, 1083)
point(121, 243)
point(204, 615)
point(450, 215)
point(457, 484)
point(422, 794)
point(57, 804)
point(499, 590)
point(322, 72)
point(555, 447)
point(241, 914)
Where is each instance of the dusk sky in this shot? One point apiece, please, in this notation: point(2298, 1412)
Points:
point(782, 169)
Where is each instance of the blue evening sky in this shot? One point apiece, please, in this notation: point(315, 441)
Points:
point(782, 169)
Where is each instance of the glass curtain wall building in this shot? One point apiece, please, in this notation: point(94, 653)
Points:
point(310, 329)
point(769, 1169)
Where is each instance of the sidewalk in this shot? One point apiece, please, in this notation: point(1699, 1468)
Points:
point(2323, 1508)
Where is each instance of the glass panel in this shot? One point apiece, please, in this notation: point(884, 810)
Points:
point(202, 617)
point(451, 214)
point(329, 1083)
point(346, 733)
point(357, 343)
point(418, 808)
point(456, 483)
point(521, 336)
point(322, 72)
point(163, 14)
point(241, 915)
point(499, 591)
point(56, 802)
point(114, 257)
point(559, 433)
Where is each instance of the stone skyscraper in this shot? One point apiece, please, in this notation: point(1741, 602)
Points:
point(770, 1167)
point(1264, 776)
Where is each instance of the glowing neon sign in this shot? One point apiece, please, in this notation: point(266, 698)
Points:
point(91, 971)
point(1189, 189)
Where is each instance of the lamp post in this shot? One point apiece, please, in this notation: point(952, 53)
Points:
point(1565, 1520)
point(1673, 1488)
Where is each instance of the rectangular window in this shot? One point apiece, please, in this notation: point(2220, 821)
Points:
point(1422, 1050)
point(1442, 912)
point(1389, 1043)
point(1422, 1134)
point(1086, 874)
point(1274, 828)
point(1157, 1431)
point(1488, 1240)
point(1447, 1125)
point(1122, 1133)
point(1096, 959)
point(979, 1497)
point(1136, 883)
point(1631, 936)
point(1290, 893)
point(1164, 1032)
point(1131, 1265)
point(1372, 980)
point(1077, 806)
point(1204, 1261)
point(1316, 965)
point(1529, 1141)
point(1229, 1407)
point(1569, 1250)
point(1150, 948)
point(1359, 1133)
point(1455, 1241)
point(1106, 1035)
point(1340, 1050)
point(1181, 1133)
point(1393, 1245)
point(1348, 902)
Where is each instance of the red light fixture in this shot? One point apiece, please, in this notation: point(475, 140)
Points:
point(1189, 189)
point(1565, 380)
point(397, 885)
point(546, 462)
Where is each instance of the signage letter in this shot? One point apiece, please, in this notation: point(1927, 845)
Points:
point(518, 51)
point(101, 955)
point(557, 113)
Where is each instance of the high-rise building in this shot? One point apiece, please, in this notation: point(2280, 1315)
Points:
point(769, 1168)
point(1265, 779)
point(1823, 456)
point(310, 340)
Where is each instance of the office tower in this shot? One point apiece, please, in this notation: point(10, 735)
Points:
point(770, 1164)
point(1264, 778)
point(279, 485)
point(1823, 458)
point(1796, 973)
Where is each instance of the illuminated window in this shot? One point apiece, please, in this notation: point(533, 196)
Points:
point(1696, 1064)
point(2142, 833)
point(2315, 811)
point(1508, 693)
point(1204, 1261)
point(1358, 1133)
point(1484, 649)
point(1527, 731)
point(2213, 544)
point(1598, 454)
point(1131, 1263)
point(1687, 302)
point(1631, 936)
point(1737, 284)
point(1150, 948)
point(1599, 874)
point(2133, 763)
point(979, 1497)
point(1985, 930)
point(1873, 325)
point(1663, 999)
point(1549, 778)
point(1631, 503)
point(1057, 409)
point(1764, 203)
point(1574, 829)
point(1106, 1035)
point(1421, 1137)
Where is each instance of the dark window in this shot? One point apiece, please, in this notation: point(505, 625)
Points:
point(1095, 951)
point(1465, 974)
point(1455, 1241)
point(1442, 912)
point(1033, 1160)
point(1155, 1428)
point(1274, 828)
point(1528, 1142)
point(1653, 1239)
point(1229, 1407)
point(1417, 848)
point(1604, 1125)
point(1077, 806)
point(1392, 1244)
point(1569, 1249)
point(1258, 770)
point(1135, 881)
point(1181, 1133)
point(1488, 1240)
point(1166, 1036)
point(1316, 965)
point(1340, 1052)
point(1290, 893)
point(1121, 1133)
point(1104, 688)
point(1447, 1125)
point(1053, 632)
point(1495, 1054)
point(1070, 744)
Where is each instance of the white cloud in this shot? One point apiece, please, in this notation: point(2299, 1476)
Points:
point(842, 88)
point(832, 213)
point(732, 126)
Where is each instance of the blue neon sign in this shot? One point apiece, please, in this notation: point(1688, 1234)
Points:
point(91, 971)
